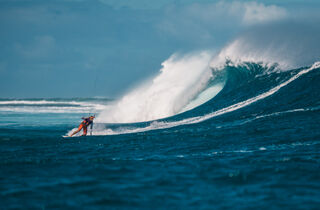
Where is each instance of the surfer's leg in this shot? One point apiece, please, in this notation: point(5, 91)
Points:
point(77, 131)
point(84, 131)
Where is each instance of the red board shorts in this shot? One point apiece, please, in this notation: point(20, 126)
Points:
point(84, 127)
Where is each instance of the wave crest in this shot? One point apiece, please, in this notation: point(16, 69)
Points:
point(183, 83)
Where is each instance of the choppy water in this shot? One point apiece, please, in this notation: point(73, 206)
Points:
point(254, 145)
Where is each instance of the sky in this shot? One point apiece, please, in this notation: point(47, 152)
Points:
point(87, 48)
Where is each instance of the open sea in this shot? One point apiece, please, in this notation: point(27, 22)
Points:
point(254, 145)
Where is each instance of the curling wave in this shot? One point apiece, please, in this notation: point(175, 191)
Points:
point(247, 84)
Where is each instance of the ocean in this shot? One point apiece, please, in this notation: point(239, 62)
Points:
point(248, 138)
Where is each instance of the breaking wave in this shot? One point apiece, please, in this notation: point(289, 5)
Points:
point(247, 84)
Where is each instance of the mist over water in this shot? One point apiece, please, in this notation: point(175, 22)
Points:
point(287, 44)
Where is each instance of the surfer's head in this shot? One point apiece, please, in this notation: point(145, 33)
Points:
point(92, 117)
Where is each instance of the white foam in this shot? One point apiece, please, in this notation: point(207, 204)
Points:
point(40, 102)
point(25, 106)
point(180, 80)
point(49, 110)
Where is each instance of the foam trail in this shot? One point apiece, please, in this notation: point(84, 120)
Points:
point(47, 110)
point(180, 81)
point(44, 102)
point(163, 125)
point(45, 106)
point(280, 113)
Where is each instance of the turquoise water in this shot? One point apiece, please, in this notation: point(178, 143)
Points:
point(254, 145)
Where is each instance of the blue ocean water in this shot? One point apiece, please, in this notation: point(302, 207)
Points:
point(254, 145)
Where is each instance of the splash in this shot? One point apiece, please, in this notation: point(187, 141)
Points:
point(176, 89)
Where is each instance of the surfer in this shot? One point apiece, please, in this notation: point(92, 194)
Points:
point(84, 125)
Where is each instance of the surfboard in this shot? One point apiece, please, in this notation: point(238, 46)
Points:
point(66, 136)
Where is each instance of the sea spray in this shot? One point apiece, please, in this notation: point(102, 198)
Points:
point(288, 45)
point(179, 82)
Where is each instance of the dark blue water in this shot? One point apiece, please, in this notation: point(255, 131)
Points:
point(264, 154)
